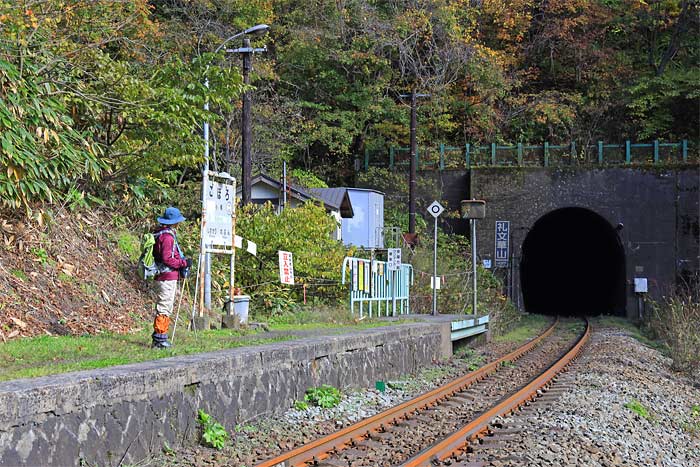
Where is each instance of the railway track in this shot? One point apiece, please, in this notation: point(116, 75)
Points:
point(447, 418)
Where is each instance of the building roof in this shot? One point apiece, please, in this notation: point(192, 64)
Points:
point(337, 198)
point(337, 201)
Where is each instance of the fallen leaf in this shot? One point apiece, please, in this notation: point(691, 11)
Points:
point(13, 334)
point(18, 322)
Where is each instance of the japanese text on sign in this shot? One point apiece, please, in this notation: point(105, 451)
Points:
point(502, 244)
point(286, 267)
point(218, 204)
point(394, 259)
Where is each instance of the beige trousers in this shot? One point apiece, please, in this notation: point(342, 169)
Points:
point(166, 291)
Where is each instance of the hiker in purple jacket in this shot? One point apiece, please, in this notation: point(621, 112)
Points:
point(166, 251)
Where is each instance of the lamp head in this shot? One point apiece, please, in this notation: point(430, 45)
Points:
point(257, 30)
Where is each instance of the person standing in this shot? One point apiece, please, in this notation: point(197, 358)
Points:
point(172, 261)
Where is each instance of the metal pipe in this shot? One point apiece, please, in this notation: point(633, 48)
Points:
point(204, 257)
point(473, 222)
point(284, 184)
point(435, 279)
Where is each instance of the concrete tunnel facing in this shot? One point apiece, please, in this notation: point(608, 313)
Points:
point(573, 264)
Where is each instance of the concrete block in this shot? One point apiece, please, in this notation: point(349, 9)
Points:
point(230, 322)
point(201, 323)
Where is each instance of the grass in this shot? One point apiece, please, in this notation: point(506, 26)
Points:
point(128, 244)
point(19, 274)
point(529, 326)
point(632, 329)
point(637, 407)
point(48, 355)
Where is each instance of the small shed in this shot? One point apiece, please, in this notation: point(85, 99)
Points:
point(365, 228)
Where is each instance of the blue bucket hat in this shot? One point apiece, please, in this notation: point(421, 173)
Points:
point(171, 216)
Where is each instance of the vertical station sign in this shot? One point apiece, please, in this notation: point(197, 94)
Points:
point(286, 267)
point(218, 203)
point(502, 243)
point(393, 259)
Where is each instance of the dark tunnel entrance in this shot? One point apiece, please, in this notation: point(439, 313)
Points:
point(573, 263)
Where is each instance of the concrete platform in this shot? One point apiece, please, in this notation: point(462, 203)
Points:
point(461, 326)
point(94, 417)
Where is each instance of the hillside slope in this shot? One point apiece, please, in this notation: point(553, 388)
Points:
point(68, 273)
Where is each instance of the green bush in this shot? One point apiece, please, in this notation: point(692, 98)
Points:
point(213, 432)
point(305, 231)
point(674, 320)
point(41, 152)
point(324, 396)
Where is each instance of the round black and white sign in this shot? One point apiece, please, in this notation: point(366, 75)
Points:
point(435, 209)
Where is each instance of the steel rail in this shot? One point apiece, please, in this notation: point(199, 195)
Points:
point(320, 448)
point(457, 442)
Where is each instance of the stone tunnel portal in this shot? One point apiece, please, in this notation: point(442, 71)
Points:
point(573, 264)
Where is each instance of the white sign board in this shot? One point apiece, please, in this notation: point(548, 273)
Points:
point(486, 263)
point(502, 242)
point(641, 285)
point(435, 282)
point(218, 205)
point(435, 209)
point(394, 259)
point(286, 267)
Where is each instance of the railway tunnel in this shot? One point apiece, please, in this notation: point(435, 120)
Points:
point(573, 264)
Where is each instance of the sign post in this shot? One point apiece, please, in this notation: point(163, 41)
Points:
point(435, 209)
point(286, 267)
point(217, 232)
point(473, 210)
point(393, 265)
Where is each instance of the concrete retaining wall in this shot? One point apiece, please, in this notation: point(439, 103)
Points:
point(102, 415)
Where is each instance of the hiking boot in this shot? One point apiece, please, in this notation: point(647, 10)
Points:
point(160, 341)
point(161, 345)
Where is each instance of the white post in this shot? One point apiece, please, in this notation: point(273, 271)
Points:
point(473, 221)
point(203, 275)
point(435, 279)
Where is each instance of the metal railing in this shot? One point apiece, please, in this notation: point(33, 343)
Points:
point(374, 286)
point(444, 157)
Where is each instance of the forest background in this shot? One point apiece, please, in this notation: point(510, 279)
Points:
point(102, 105)
point(106, 98)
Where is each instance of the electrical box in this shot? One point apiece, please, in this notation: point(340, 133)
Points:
point(473, 209)
point(640, 285)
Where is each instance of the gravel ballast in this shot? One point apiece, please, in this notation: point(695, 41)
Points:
point(594, 425)
point(625, 407)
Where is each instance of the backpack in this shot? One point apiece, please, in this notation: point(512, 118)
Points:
point(148, 268)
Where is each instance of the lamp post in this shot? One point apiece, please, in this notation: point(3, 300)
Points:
point(246, 51)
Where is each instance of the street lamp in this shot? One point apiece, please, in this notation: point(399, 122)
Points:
point(258, 29)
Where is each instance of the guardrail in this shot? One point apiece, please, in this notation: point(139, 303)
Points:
point(445, 157)
point(372, 283)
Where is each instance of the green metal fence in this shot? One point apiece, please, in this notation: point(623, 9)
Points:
point(373, 284)
point(444, 157)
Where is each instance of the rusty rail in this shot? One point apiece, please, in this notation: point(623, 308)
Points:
point(319, 449)
point(457, 441)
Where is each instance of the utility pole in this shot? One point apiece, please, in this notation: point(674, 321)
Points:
point(245, 126)
point(413, 163)
point(412, 168)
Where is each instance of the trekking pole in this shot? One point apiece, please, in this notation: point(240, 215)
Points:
point(177, 313)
